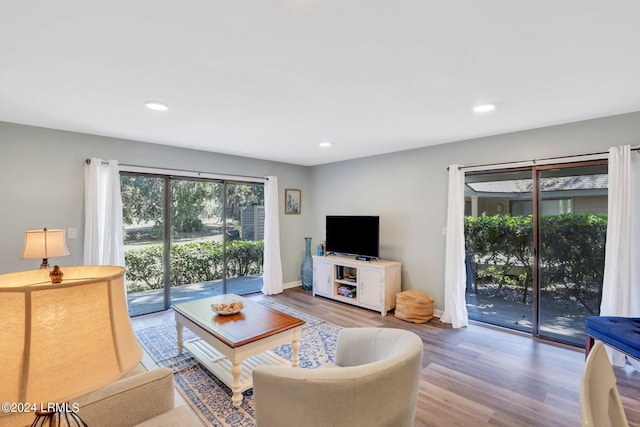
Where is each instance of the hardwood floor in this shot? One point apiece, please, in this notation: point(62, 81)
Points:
point(475, 376)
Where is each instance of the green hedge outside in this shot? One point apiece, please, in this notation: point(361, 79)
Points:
point(192, 263)
point(499, 249)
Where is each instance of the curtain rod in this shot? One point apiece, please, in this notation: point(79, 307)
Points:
point(106, 162)
point(187, 173)
point(539, 162)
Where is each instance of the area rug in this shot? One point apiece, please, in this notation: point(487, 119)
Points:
point(209, 397)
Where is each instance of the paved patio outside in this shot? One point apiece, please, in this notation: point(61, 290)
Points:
point(555, 323)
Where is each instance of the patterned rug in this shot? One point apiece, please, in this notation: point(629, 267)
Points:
point(209, 396)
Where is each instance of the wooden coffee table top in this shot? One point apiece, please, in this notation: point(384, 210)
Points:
point(253, 323)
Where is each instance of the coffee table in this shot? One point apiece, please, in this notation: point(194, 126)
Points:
point(232, 346)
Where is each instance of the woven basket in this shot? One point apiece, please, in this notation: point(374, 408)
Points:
point(414, 306)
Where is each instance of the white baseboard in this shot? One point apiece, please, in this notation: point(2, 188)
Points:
point(291, 284)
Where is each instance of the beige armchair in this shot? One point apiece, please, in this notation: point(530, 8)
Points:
point(140, 398)
point(374, 382)
point(600, 403)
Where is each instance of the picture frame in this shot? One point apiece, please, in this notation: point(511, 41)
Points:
point(292, 201)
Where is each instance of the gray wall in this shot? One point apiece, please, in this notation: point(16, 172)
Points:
point(42, 173)
point(408, 189)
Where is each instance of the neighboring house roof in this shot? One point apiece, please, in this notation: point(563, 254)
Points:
point(549, 184)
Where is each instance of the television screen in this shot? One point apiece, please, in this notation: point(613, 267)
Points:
point(354, 235)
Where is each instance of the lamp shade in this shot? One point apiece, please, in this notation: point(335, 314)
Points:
point(59, 341)
point(44, 244)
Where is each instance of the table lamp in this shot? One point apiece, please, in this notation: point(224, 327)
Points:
point(60, 341)
point(45, 244)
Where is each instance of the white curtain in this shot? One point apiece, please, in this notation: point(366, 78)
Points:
point(620, 288)
point(272, 265)
point(103, 244)
point(455, 308)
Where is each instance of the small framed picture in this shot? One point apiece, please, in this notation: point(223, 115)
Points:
point(292, 201)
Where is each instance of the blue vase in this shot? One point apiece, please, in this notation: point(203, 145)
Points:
point(306, 269)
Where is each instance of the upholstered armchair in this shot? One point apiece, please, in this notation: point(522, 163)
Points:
point(600, 403)
point(374, 382)
point(141, 398)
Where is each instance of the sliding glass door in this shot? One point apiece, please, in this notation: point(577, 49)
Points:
point(196, 261)
point(144, 209)
point(244, 234)
point(535, 248)
point(571, 233)
point(499, 245)
point(190, 238)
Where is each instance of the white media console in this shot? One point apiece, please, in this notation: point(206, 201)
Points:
point(368, 284)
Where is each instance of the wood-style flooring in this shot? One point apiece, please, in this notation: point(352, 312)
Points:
point(478, 375)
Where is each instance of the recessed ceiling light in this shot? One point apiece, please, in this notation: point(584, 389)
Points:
point(157, 106)
point(484, 108)
point(325, 144)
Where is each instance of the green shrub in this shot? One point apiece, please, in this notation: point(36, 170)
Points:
point(144, 268)
point(244, 259)
point(193, 262)
point(571, 254)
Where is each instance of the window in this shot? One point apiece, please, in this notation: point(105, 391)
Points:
point(535, 247)
point(190, 238)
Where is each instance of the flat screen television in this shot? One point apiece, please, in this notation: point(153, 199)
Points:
point(353, 235)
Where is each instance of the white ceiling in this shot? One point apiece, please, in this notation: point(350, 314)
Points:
point(271, 79)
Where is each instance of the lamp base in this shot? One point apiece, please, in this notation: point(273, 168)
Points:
point(56, 275)
point(64, 418)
